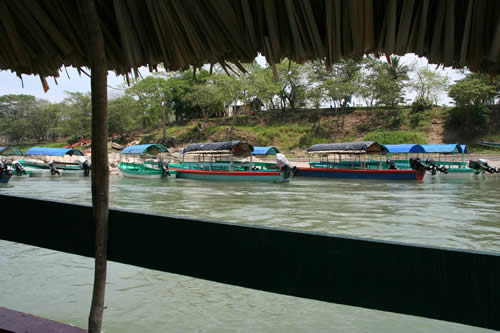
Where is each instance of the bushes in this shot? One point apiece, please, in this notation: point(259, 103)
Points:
point(395, 137)
point(468, 121)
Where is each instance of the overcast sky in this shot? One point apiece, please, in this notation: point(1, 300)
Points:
point(11, 84)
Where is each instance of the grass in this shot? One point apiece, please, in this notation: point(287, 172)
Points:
point(396, 137)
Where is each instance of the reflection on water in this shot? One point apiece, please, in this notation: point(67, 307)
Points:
point(452, 213)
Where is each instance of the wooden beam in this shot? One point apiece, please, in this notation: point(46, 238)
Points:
point(100, 165)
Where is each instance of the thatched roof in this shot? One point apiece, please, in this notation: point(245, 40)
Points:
point(39, 37)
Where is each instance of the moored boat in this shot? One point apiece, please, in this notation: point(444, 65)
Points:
point(226, 161)
point(5, 173)
point(61, 161)
point(366, 159)
point(13, 165)
point(147, 161)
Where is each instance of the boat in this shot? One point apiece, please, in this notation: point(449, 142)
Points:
point(5, 173)
point(13, 165)
point(440, 160)
point(55, 162)
point(227, 161)
point(147, 161)
point(365, 159)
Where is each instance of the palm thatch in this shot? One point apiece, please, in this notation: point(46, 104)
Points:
point(39, 37)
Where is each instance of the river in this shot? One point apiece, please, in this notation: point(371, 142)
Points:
point(460, 214)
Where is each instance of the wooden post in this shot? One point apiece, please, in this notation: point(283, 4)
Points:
point(100, 165)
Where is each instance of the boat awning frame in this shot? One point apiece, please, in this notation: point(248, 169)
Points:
point(236, 148)
point(405, 148)
point(443, 149)
point(53, 151)
point(265, 150)
point(362, 147)
point(144, 149)
point(5, 151)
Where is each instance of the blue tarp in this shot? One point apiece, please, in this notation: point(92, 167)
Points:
point(402, 149)
point(141, 149)
point(10, 151)
point(464, 149)
point(53, 151)
point(265, 151)
point(446, 148)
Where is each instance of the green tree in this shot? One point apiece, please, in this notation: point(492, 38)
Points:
point(428, 85)
point(384, 83)
point(15, 111)
point(207, 100)
point(470, 95)
point(77, 115)
point(122, 115)
point(152, 93)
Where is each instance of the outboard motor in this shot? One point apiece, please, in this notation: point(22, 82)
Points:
point(391, 165)
point(482, 165)
point(53, 169)
point(19, 168)
point(434, 168)
point(84, 164)
point(285, 166)
point(4, 170)
point(416, 164)
point(164, 168)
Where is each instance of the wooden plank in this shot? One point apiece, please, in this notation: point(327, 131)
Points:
point(12, 321)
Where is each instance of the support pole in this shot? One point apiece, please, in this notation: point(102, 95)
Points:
point(100, 165)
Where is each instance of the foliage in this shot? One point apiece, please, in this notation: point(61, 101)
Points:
point(428, 85)
point(395, 137)
point(471, 91)
point(468, 121)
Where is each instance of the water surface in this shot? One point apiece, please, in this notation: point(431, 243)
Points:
point(456, 213)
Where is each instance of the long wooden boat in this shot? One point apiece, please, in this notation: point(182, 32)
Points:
point(226, 161)
point(145, 162)
point(61, 162)
point(366, 159)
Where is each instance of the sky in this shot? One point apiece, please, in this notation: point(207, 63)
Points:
point(11, 84)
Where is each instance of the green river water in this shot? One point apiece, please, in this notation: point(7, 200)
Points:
point(462, 214)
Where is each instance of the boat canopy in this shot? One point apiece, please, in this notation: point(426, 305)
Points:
point(362, 147)
point(10, 151)
point(443, 148)
point(237, 148)
point(464, 148)
point(53, 151)
point(265, 151)
point(405, 148)
point(151, 149)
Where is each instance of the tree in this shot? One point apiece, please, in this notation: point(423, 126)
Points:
point(151, 93)
point(123, 113)
point(428, 85)
point(384, 83)
point(340, 84)
point(206, 98)
point(15, 111)
point(470, 95)
point(78, 114)
point(293, 82)
point(471, 91)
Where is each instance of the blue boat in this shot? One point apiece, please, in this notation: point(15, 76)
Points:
point(58, 161)
point(225, 161)
point(366, 159)
point(148, 161)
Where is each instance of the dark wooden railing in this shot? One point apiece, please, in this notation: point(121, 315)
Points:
point(452, 285)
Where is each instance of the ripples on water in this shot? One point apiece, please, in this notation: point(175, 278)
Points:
point(459, 214)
